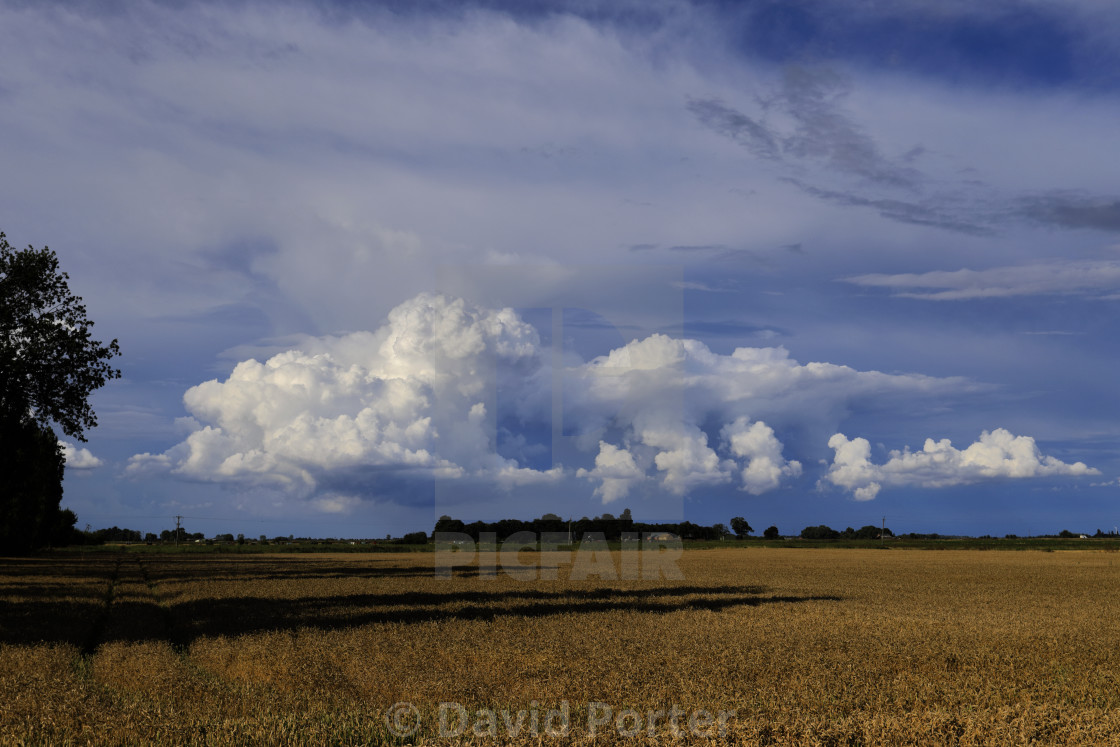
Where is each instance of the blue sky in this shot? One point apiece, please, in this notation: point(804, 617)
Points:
point(369, 263)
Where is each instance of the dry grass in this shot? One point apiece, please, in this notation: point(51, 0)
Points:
point(807, 646)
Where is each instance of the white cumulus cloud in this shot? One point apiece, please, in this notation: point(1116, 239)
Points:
point(616, 471)
point(683, 455)
point(756, 444)
point(661, 396)
point(997, 454)
point(79, 457)
point(448, 389)
point(413, 395)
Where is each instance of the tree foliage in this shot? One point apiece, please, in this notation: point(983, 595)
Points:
point(740, 526)
point(820, 532)
point(31, 466)
point(609, 528)
point(868, 532)
point(49, 366)
point(49, 362)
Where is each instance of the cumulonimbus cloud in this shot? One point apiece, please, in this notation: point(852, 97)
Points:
point(996, 454)
point(422, 394)
point(414, 395)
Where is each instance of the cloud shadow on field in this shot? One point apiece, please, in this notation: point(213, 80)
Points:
point(255, 569)
point(247, 615)
point(41, 614)
point(52, 599)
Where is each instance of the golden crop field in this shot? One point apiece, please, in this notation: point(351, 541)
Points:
point(767, 646)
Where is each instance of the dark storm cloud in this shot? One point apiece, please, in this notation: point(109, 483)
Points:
point(1074, 211)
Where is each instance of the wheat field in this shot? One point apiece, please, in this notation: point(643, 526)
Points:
point(752, 646)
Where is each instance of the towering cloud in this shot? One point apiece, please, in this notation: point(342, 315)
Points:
point(415, 395)
point(616, 471)
point(756, 444)
point(444, 388)
point(420, 396)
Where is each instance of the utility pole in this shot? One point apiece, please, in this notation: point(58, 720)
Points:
point(177, 520)
point(883, 532)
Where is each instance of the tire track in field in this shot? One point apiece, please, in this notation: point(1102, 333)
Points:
point(133, 609)
point(98, 629)
point(167, 618)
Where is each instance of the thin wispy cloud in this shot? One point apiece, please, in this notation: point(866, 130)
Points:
point(1099, 279)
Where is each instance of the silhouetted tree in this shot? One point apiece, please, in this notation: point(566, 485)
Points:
point(871, 532)
point(771, 533)
point(820, 532)
point(447, 524)
point(31, 468)
point(49, 366)
point(740, 526)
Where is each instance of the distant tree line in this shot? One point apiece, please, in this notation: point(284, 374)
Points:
point(170, 536)
point(822, 532)
point(113, 534)
point(612, 528)
point(608, 525)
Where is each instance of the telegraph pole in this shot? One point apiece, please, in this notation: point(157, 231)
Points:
point(883, 532)
point(177, 520)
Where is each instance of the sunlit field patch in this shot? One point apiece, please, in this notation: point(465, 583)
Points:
point(805, 646)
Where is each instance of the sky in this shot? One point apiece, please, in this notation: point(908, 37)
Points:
point(803, 262)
